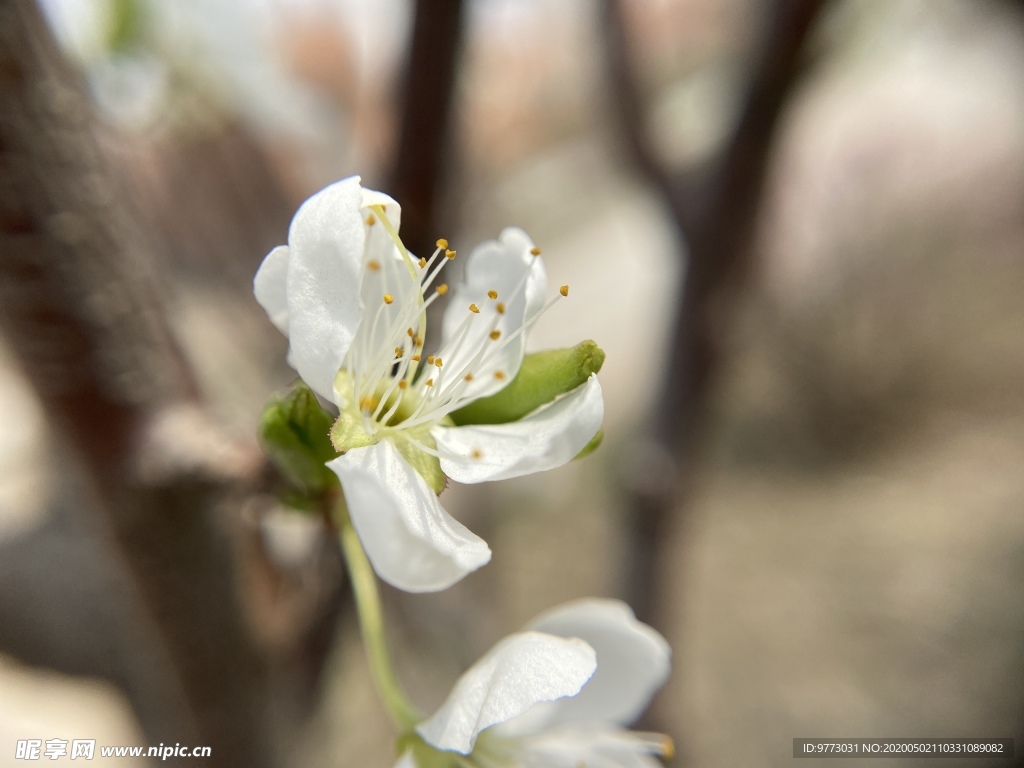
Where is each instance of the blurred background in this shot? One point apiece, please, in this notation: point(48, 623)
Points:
point(795, 227)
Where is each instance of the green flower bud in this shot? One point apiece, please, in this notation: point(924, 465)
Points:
point(295, 433)
point(542, 377)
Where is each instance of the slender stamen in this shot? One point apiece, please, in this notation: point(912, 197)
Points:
point(420, 446)
point(484, 355)
point(384, 380)
point(391, 411)
point(522, 329)
point(384, 399)
point(451, 399)
point(454, 343)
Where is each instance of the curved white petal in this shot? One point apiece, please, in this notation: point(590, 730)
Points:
point(412, 542)
point(507, 267)
point(391, 207)
point(406, 760)
point(384, 272)
point(519, 672)
point(600, 747)
point(271, 287)
point(325, 245)
point(632, 661)
point(549, 437)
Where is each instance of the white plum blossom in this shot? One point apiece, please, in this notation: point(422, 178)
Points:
point(352, 301)
point(558, 695)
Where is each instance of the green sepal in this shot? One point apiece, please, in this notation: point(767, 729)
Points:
point(542, 377)
point(348, 431)
point(424, 755)
point(427, 465)
point(590, 447)
point(295, 433)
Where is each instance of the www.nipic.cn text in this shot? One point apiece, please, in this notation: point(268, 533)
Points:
point(86, 749)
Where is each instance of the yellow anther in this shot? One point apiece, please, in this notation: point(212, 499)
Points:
point(388, 298)
point(418, 341)
point(500, 307)
point(403, 384)
point(495, 335)
point(442, 243)
point(368, 403)
point(468, 377)
point(442, 288)
point(399, 351)
point(439, 362)
point(449, 254)
point(477, 453)
point(564, 290)
point(371, 220)
point(668, 748)
point(430, 359)
point(492, 295)
point(415, 358)
point(373, 266)
point(428, 383)
point(423, 263)
point(499, 375)
point(409, 332)
point(474, 309)
point(535, 251)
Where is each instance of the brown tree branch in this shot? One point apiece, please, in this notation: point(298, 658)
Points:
point(628, 107)
point(716, 214)
point(427, 101)
point(81, 314)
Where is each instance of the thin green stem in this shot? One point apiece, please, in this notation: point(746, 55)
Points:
point(371, 623)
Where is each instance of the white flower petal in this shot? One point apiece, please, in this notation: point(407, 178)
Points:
point(632, 661)
point(406, 760)
point(391, 208)
point(412, 542)
point(270, 286)
point(519, 672)
point(594, 747)
point(549, 437)
point(325, 258)
point(384, 273)
point(507, 267)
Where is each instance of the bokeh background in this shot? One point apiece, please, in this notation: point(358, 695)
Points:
point(797, 230)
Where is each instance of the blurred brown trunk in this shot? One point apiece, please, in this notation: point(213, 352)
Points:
point(79, 310)
point(425, 137)
point(214, 200)
point(716, 213)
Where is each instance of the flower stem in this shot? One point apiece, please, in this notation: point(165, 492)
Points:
point(371, 623)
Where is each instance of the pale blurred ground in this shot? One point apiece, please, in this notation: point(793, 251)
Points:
point(41, 705)
point(851, 565)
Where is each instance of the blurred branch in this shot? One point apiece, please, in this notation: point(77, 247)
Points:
point(716, 211)
point(79, 307)
point(427, 100)
point(628, 104)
